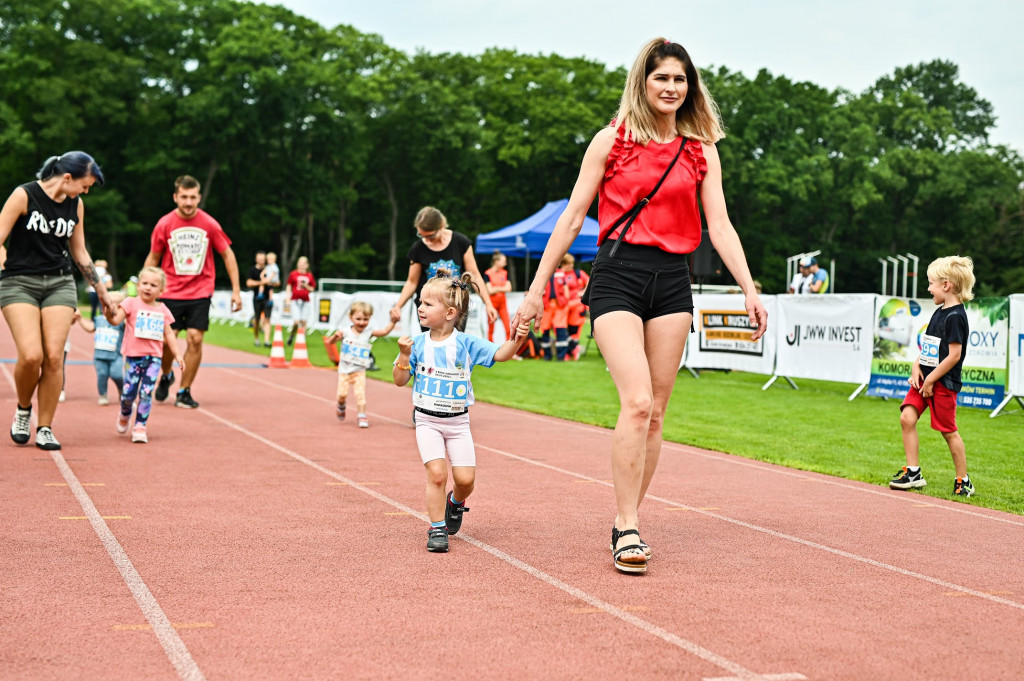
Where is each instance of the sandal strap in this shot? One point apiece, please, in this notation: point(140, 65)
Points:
point(631, 547)
point(619, 534)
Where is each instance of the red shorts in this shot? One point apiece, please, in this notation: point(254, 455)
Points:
point(942, 403)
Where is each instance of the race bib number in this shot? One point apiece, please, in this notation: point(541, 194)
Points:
point(929, 350)
point(188, 246)
point(441, 390)
point(149, 325)
point(356, 353)
point(106, 339)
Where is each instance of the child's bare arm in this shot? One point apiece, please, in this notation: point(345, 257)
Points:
point(116, 316)
point(402, 371)
point(334, 337)
point(171, 341)
point(510, 347)
point(928, 385)
point(87, 324)
point(384, 331)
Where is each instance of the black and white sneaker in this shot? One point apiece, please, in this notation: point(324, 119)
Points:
point(437, 540)
point(163, 388)
point(904, 479)
point(22, 427)
point(453, 515)
point(185, 400)
point(963, 488)
point(45, 439)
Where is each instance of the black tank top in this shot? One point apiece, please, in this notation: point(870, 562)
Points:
point(39, 240)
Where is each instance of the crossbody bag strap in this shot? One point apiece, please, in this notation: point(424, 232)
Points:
point(631, 214)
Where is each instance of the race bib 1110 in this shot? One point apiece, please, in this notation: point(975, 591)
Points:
point(441, 390)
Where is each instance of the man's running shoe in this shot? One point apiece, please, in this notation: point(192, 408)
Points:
point(963, 488)
point(185, 400)
point(164, 387)
point(21, 429)
point(45, 439)
point(904, 479)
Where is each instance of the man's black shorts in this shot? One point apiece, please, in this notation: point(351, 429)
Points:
point(261, 307)
point(189, 314)
point(643, 280)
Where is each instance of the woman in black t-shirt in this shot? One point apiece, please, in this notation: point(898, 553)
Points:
point(439, 248)
point(37, 290)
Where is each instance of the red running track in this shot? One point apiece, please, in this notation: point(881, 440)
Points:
point(259, 538)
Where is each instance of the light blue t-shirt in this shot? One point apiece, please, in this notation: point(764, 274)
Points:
point(107, 340)
point(458, 352)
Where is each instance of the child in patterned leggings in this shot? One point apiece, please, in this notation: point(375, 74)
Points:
point(355, 357)
point(148, 327)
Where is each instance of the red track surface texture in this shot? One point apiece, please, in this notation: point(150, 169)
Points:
point(259, 538)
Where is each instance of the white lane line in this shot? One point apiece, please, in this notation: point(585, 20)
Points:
point(705, 511)
point(694, 649)
point(773, 533)
point(172, 644)
point(678, 448)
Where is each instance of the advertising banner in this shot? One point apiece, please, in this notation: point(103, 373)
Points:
point(825, 337)
point(897, 343)
point(722, 338)
point(1016, 377)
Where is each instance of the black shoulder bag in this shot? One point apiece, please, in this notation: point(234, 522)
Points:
point(631, 214)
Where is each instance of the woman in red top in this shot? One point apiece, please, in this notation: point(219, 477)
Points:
point(497, 286)
point(300, 284)
point(640, 301)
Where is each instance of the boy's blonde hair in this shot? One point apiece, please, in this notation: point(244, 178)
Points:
point(453, 292)
point(958, 271)
point(157, 271)
point(360, 306)
point(697, 118)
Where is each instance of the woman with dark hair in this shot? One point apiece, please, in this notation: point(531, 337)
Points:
point(38, 297)
point(648, 168)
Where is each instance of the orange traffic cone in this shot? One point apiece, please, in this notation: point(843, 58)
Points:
point(277, 360)
point(332, 351)
point(300, 359)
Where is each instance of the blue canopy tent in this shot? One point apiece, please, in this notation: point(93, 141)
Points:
point(531, 235)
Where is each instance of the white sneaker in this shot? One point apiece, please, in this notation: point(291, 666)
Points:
point(45, 439)
point(21, 429)
point(62, 396)
point(122, 422)
point(139, 433)
point(103, 401)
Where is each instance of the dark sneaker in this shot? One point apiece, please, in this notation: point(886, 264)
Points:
point(163, 387)
point(185, 400)
point(453, 515)
point(45, 439)
point(22, 427)
point(340, 411)
point(963, 488)
point(904, 479)
point(437, 540)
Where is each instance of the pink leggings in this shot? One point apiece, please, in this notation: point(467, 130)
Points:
point(435, 435)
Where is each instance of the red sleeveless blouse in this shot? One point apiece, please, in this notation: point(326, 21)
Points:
point(671, 221)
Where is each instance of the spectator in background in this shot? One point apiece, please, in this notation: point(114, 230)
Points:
point(819, 277)
point(801, 283)
point(497, 286)
point(301, 283)
point(261, 301)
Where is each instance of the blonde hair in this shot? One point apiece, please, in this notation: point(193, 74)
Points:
point(958, 271)
point(430, 219)
point(360, 306)
point(567, 259)
point(698, 117)
point(157, 271)
point(453, 292)
point(496, 256)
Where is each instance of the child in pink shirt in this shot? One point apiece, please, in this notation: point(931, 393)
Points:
point(148, 327)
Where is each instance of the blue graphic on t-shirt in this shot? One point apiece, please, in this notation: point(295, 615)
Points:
point(449, 265)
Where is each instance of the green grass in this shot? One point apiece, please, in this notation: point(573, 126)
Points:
point(814, 428)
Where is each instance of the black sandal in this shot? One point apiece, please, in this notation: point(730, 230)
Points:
point(622, 565)
point(643, 544)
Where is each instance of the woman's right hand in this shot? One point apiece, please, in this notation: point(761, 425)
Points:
point(531, 309)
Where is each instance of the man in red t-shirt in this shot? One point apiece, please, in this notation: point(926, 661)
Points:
point(180, 246)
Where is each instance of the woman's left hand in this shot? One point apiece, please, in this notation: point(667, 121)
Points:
point(758, 315)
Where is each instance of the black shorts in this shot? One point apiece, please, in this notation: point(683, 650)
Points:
point(643, 280)
point(189, 314)
point(261, 307)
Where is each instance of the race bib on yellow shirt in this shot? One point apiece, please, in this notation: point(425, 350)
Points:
point(929, 350)
point(441, 390)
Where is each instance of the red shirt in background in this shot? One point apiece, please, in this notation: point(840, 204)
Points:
point(297, 281)
point(185, 257)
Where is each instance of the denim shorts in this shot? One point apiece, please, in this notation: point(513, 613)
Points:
point(41, 290)
point(643, 280)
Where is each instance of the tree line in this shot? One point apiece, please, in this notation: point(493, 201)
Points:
point(326, 141)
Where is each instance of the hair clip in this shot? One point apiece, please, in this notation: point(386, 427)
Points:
point(667, 41)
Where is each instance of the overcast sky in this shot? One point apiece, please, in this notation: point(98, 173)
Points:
point(830, 43)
